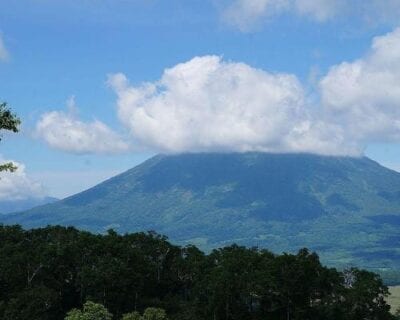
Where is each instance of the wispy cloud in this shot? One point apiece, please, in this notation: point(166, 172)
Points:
point(4, 55)
point(248, 14)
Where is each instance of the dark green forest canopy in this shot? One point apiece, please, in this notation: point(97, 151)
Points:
point(44, 273)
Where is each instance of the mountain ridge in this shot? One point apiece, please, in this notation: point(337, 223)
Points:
point(346, 208)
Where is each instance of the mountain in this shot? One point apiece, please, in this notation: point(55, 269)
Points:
point(8, 206)
point(347, 209)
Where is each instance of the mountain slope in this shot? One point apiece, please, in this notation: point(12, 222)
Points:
point(7, 206)
point(348, 209)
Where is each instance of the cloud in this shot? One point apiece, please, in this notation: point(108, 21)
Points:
point(363, 96)
point(64, 131)
point(4, 55)
point(247, 14)
point(379, 11)
point(18, 185)
point(207, 104)
point(319, 10)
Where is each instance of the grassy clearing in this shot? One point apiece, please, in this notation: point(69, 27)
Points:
point(394, 298)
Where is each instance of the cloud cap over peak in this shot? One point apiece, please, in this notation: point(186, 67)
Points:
point(207, 104)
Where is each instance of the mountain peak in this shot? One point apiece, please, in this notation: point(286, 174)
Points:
point(280, 201)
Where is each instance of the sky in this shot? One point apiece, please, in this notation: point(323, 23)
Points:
point(102, 85)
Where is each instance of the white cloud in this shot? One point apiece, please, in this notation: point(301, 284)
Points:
point(4, 55)
point(379, 11)
point(18, 185)
point(364, 96)
point(207, 104)
point(246, 14)
point(320, 10)
point(64, 131)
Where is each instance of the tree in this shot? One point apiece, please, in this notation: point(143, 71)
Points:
point(44, 273)
point(149, 314)
point(8, 121)
point(366, 298)
point(38, 303)
point(154, 314)
point(132, 316)
point(91, 311)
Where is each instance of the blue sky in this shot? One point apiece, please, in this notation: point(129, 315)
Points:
point(74, 71)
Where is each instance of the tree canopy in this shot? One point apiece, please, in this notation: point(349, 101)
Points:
point(91, 311)
point(10, 122)
point(46, 273)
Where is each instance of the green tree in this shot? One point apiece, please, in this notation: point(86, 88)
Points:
point(38, 303)
point(46, 272)
point(154, 314)
point(366, 297)
point(91, 311)
point(10, 122)
point(132, 316)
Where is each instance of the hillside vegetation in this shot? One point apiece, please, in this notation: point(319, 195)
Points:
point(17, 205)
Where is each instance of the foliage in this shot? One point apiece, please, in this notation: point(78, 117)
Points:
point(148, 314)
point(47, 273)
point(37, 303)
point(91, 311)
point(154, 314)
point(132, 316)
point(8, 121)
point(9, 166)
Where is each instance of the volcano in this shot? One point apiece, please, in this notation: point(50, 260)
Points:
point(345, 208)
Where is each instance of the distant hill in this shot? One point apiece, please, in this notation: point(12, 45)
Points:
point(348, 209)
point(8, 206)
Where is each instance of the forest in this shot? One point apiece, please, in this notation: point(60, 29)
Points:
point(51, 273)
